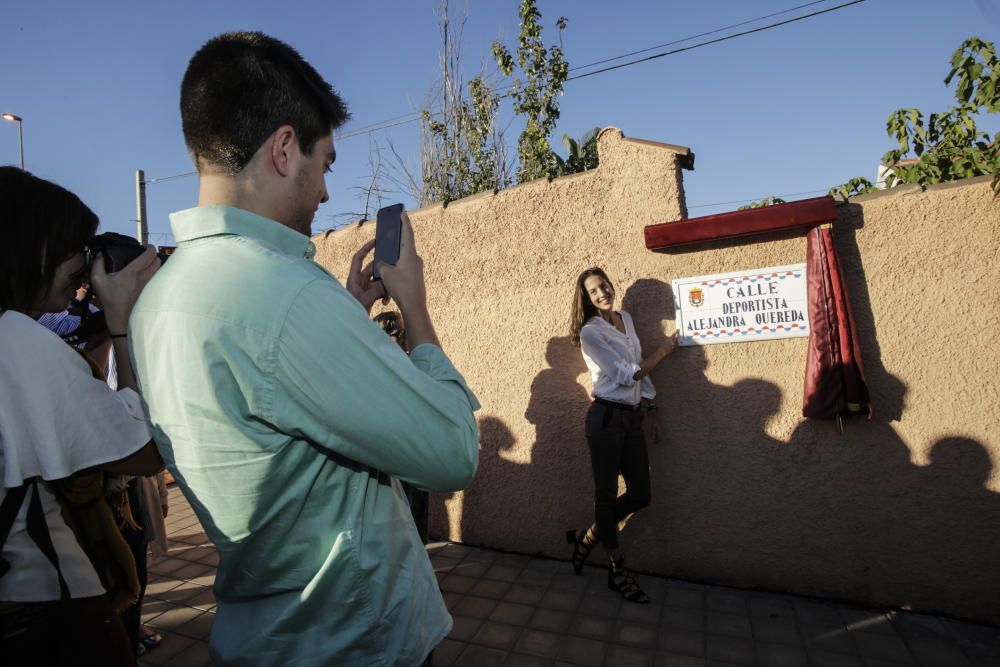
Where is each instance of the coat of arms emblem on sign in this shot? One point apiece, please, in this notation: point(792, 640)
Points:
point(696, 297)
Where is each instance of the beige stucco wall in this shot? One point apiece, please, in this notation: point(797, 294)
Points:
point(902, 510)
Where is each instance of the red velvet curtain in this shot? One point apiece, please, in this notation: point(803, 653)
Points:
point(835, 382)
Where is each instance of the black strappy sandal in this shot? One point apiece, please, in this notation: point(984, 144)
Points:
point(621, 580)
point(581, 549)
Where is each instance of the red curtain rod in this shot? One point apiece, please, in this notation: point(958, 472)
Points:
point(776, 218)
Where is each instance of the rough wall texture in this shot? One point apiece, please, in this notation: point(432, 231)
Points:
point(902, 510)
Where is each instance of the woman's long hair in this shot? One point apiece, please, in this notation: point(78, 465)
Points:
point(583, 309)
point(42, 225)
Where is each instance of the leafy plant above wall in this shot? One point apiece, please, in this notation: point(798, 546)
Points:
point(766, 201)
point(539, 75)
point(852, 188)
point(948, 146)
point(580, 155)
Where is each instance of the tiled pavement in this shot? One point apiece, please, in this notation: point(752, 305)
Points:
point(515, 610)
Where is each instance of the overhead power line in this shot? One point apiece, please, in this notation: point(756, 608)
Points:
point(715, 41)
point(743, 201)
point(414, 116)
point(702, 34)
point(164, 179)
point(405, 119)
point(378, 126)
point(374, 127)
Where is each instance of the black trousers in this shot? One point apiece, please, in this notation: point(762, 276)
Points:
point(136, 540)
point(617, 445)
point(82, 632)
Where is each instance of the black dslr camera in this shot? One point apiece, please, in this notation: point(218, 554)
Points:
point(118, 251)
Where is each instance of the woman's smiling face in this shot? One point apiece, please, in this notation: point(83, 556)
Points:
point(601, 293)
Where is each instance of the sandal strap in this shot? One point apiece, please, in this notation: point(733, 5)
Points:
point(582, 549)
point(627, 585)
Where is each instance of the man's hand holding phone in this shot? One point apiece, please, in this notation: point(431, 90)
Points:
point(359, 279)
point(404, 282)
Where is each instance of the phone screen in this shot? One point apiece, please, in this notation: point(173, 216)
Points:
point(388, 233)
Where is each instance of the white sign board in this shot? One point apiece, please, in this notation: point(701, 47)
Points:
point(753, 305)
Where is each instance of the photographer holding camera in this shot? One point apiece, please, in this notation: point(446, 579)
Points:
point(58, 421)
point(280, 408)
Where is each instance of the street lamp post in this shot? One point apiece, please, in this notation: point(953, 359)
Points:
point(20, 136)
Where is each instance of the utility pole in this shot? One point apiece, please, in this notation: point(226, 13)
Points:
point(20, 135)
point(140, 206)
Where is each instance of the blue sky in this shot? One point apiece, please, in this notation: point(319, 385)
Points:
point(795, 109)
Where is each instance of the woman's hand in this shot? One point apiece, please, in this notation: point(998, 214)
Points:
point(668, 346)
point(653, 360)
point(119, 291)
point(650, 421)
point(654, 425)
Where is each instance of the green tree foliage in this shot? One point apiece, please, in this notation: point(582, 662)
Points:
point(949, 145)
point(852, 188)
point(770, 200)
point(462, 147)
point(541, 73)
point(580, 155)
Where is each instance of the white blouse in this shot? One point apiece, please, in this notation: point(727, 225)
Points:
point(613, 358)
point(55, 419)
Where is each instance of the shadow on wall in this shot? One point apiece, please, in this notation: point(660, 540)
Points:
point(557, 408)
point(844, 516)
point(847, 516)
point(650, 302)
point(556, 482)
point(887, 392)
point(490, 490)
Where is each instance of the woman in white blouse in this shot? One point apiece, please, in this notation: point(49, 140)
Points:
point(57, 419)
point(623, 394)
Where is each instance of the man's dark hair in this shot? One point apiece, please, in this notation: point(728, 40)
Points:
point(242, 86)
point(42, 225)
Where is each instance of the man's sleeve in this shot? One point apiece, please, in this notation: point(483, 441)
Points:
point(344, 385)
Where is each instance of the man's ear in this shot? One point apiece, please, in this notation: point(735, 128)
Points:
point(284, 143)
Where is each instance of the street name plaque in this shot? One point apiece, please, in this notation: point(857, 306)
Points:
point(743, 306)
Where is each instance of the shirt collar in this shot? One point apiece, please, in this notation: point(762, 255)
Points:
point(205, 221)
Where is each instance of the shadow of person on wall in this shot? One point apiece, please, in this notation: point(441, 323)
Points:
point(951, 506)
point(560, 460)
point(650, 302)
point(492, 490)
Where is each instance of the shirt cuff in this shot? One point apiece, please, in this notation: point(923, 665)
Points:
point(626, 374)
point(431, 359)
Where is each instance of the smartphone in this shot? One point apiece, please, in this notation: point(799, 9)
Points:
point(388, 236)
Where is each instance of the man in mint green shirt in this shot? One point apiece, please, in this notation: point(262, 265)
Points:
point(284, 413)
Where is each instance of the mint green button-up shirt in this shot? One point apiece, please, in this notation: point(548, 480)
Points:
point(287, 418)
